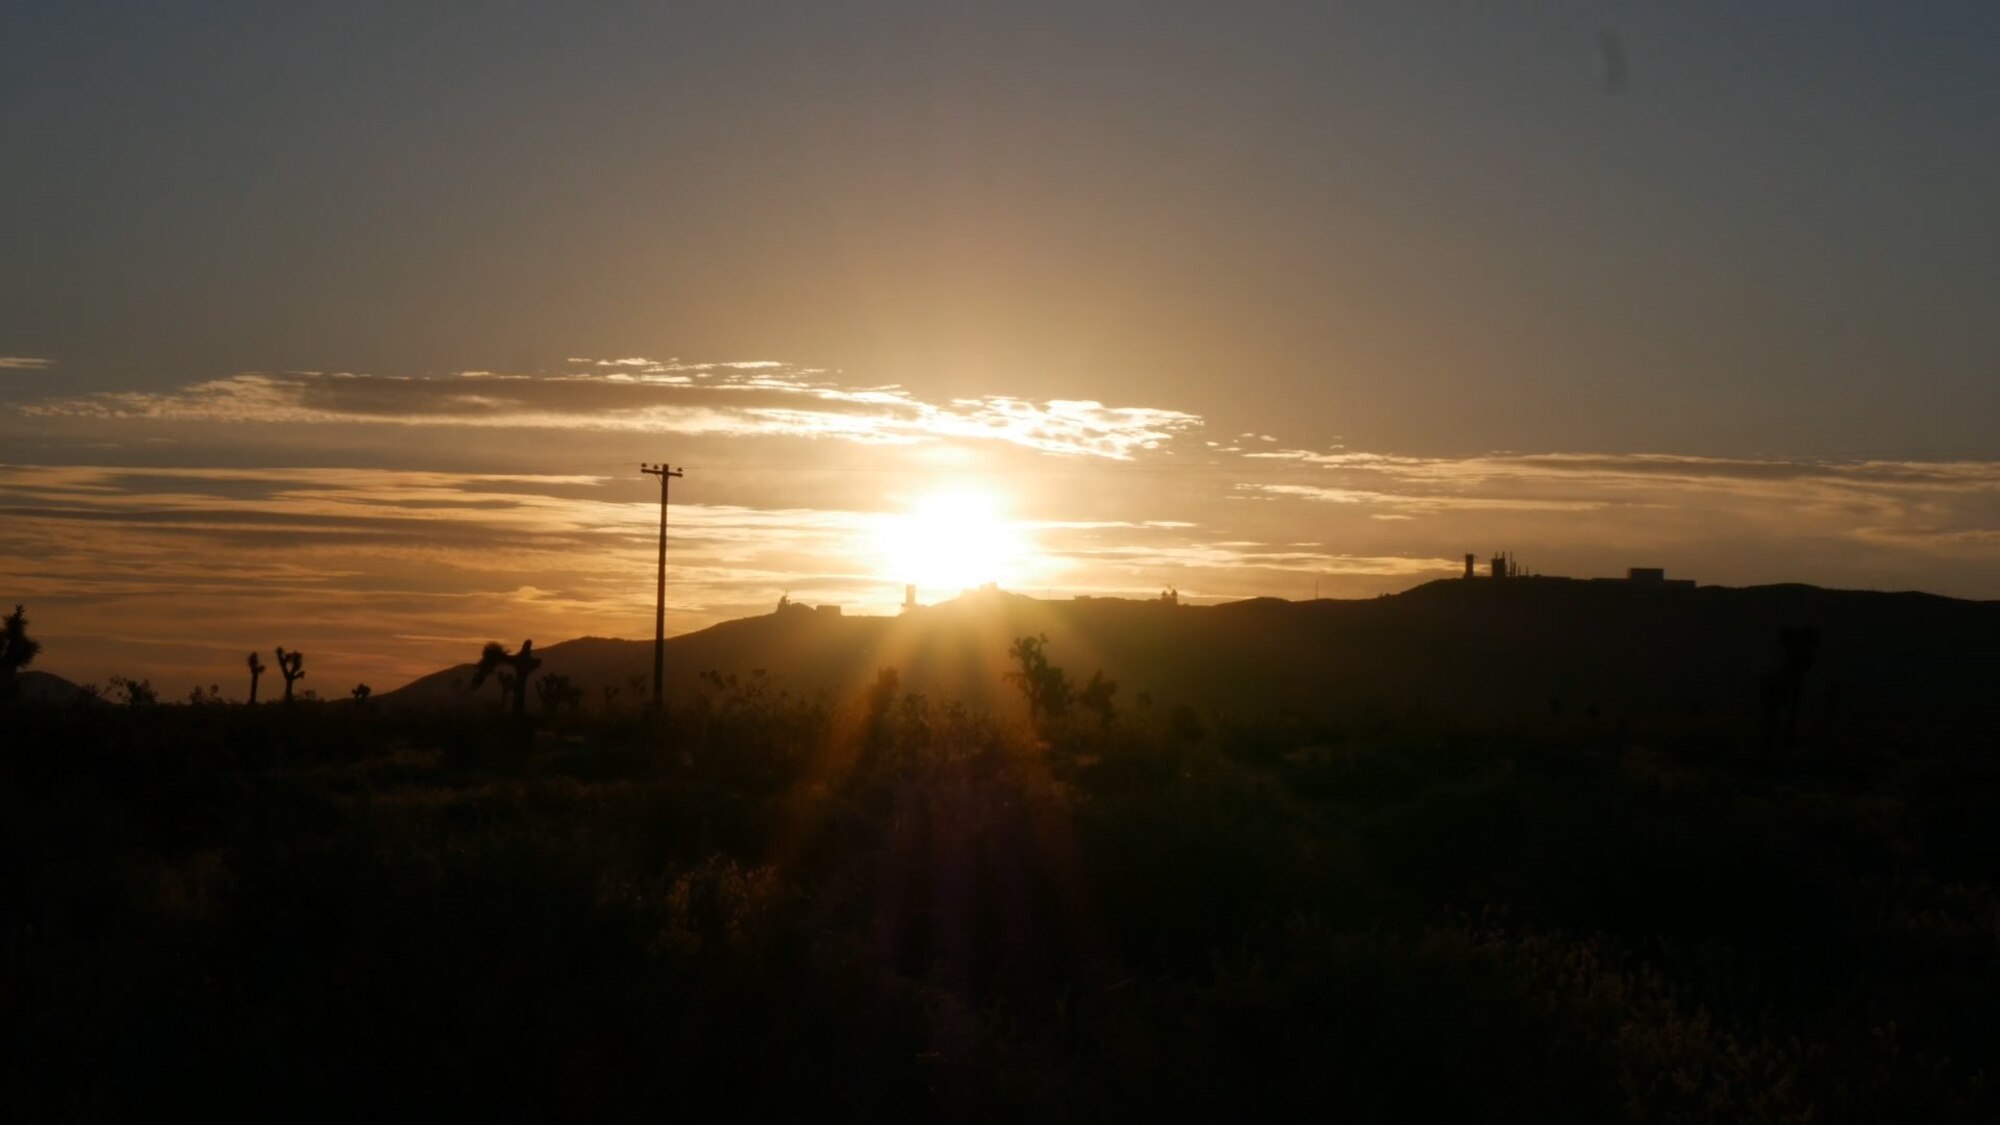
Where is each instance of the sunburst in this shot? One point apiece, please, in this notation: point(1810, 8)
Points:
point(950, 540)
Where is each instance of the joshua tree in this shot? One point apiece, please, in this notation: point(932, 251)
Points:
point(17, 651)
point(361, 692)
point(291, 665)
point(523, 664)
point(256, 667)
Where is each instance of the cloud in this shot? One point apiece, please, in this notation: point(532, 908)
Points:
point(1216, 559)
point(342, 560)
point(750, 399)
point(363, 563)
point(1410, 504)
point(25, 363)
point(1609, 468)
point(1639, 496)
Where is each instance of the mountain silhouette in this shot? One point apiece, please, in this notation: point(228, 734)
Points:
point(1469, 647)
point(47, 687)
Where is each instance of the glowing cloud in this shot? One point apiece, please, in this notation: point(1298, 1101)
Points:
point(757, 398)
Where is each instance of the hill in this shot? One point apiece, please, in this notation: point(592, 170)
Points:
point(440, 912)
point(47, 687)
point(1532, 646)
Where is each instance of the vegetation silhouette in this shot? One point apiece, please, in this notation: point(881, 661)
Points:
point(17, 651)
point(292, 666)
point(1256, 897)
point(519, 666)
point(557, 694)
point(138, 693)
point(1476, 650)
point(1782, 688)
point(256, 667)
point(1096, 697)
point(922, 911)
point(1046, 688)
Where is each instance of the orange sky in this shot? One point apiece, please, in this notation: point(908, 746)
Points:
point(389, 526)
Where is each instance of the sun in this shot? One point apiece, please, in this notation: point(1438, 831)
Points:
point(951, 540)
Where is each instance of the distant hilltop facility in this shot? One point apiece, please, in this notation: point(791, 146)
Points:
point(1502, 565)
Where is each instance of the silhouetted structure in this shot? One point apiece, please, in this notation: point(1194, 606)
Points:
point(291, 665)
point(256, 667)
point(665, 474)
point(522, 664)
point(909, 597)
point(1656, 576)
point(1783, 686)
point(17, 651)
point(1471, 565)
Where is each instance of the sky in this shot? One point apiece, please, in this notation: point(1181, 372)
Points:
point(346, 326)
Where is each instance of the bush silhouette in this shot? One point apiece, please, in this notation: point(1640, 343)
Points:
point(17, 651)
point(557, 693)
point(1405, 919)
point(1046, 687)
point(138, 693)
point(1783, 687)
point(1096, 697)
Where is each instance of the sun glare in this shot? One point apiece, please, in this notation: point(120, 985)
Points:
point(951, 540)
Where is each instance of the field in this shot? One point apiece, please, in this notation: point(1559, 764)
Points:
point(768, 906)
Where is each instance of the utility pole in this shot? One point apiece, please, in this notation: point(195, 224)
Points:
point(660, 592)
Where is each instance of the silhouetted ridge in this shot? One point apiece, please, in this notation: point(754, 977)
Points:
point(45, 687)
point(1526, 646)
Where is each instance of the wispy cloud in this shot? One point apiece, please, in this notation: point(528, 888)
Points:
point(756, 398)
point(360, 564)
point(1409, 505)
point(799, 473)
point(342, 560)
point(1649, 468)
point(25, 363)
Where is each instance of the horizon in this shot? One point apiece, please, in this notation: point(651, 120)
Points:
point(347, 328)
point(177, 693)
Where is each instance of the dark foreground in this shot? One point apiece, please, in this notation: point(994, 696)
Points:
point(777, 909)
